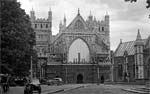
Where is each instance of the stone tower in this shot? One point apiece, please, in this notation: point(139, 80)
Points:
point(43, 30)
point(139, 46)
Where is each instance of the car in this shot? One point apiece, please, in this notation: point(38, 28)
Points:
point(51, 82)
point(55, 81)
point(59, 81)
point(33, 86)
point(19, 81)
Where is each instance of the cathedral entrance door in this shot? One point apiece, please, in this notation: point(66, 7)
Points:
point(79, 78)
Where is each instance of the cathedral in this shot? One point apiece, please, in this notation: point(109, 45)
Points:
point(79, 53)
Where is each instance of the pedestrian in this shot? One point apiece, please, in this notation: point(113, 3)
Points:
point(4, 82)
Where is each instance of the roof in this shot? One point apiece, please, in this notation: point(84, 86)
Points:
point(80, 19)
point(126, 46)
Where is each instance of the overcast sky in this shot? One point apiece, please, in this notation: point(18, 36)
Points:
point(125, 18)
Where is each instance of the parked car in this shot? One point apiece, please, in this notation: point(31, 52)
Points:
point(19, 81)
point(33, 86)
point(55, 81)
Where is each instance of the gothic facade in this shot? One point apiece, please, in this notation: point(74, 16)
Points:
point(132, 60)
point(79, 53)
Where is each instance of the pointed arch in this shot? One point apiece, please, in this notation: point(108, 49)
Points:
point(79, 51)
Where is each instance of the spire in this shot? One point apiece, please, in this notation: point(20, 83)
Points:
point(120, 41)
point(138, 35)
point(50, 15)
point(78, 11)
point(32, 14)
point(49, 8)
point(90, 13)
point(138, 39)
point(106, 12)
point(64, 20)
point(32, 9)
point(90, 16)
point(60, 25)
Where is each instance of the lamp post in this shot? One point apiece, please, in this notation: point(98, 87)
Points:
point(98, 74)
point(40, 64)
point(31, 69)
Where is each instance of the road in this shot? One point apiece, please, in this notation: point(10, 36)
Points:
point(45, 88)
point(79, 89)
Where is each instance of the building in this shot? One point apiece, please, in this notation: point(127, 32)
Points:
point(132, 60)
point(79, 53)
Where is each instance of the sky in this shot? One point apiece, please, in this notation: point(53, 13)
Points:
point(125, 18)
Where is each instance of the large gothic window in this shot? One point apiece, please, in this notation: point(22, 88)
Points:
point(79, 25)
point(79, 51)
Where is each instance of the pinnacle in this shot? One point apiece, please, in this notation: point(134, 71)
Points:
point(138, 35)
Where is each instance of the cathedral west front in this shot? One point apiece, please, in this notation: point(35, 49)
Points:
point(79, 53)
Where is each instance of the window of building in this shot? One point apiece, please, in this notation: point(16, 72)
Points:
point(41, 26)
point(120, 70)
point(99, 28)
point(46, 25)
point(35, 25)
point(139, 49)
point(102, 28)
point(135, 50)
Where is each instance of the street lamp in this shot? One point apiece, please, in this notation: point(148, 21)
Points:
point(31, 69)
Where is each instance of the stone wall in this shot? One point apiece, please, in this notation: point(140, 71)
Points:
point(70, 73)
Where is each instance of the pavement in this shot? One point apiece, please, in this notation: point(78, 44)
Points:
point(141, 90)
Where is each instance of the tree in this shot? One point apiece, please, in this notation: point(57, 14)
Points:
point(17, 39)
point(147, 1)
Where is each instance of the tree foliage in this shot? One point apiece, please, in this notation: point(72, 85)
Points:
point(147, 1)
point(17, 38)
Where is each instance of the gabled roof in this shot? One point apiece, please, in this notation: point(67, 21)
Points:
point(126, 46)
point(77, 18)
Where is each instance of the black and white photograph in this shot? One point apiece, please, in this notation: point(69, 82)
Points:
point(74, 46)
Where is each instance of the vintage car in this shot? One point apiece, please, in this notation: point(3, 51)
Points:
point(33, 86)
point(55, 81)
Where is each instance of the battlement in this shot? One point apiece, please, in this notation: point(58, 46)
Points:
point(41, 20)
